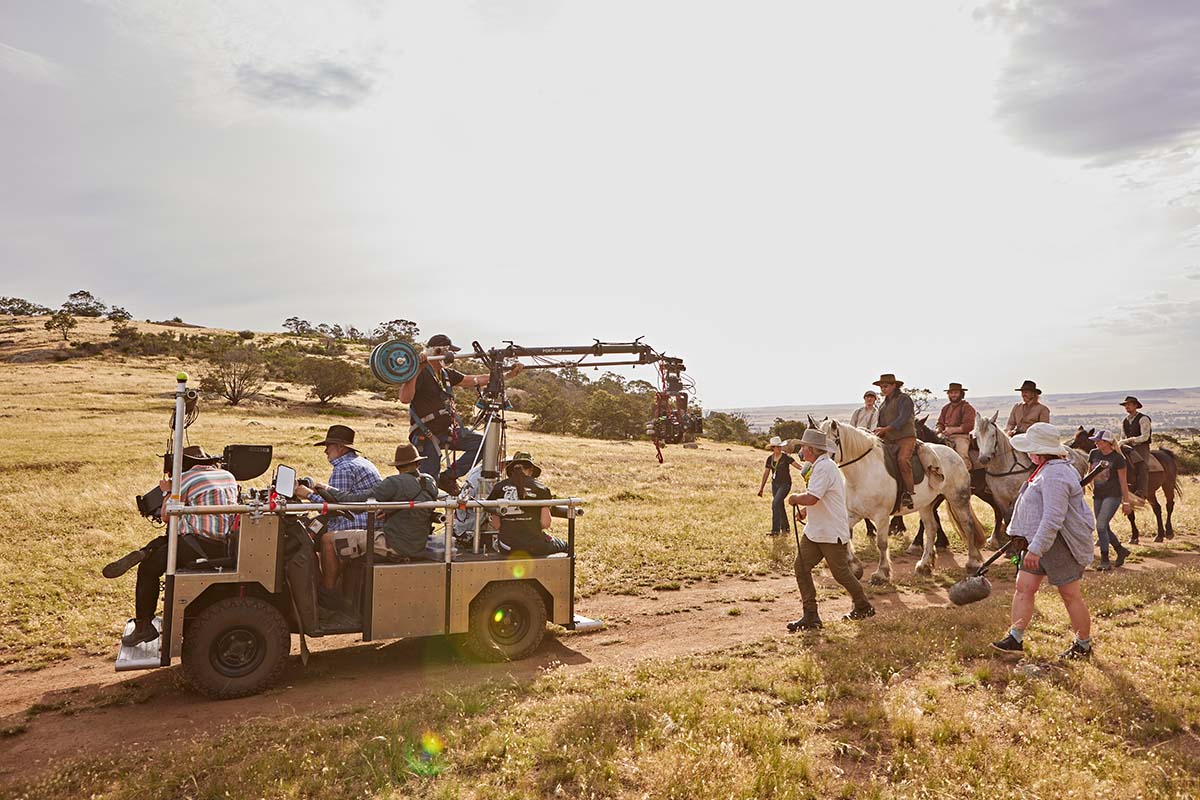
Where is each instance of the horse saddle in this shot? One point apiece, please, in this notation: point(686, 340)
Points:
point(1134, 457)
point(890, 461)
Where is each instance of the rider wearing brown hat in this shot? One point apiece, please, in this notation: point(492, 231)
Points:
point(897, 429)
point(1028, 411)
point(956, 421)
point(1136, 427)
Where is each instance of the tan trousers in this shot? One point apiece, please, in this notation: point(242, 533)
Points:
point(810, 555)
point(904, 451)
point(961, 442)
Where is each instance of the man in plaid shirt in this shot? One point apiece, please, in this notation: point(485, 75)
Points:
point(351, 473)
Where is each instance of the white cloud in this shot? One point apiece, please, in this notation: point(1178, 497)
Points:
point(31, 66)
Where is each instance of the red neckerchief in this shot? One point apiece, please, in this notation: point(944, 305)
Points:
point(1036, 471)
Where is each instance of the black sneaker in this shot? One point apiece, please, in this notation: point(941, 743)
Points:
point(1009, 645)
point(1122, 554)
point(859, 613)
point(1076, 652)
point(809, 622)
point(143, 631)
point(1105, 565)
point(123, 564)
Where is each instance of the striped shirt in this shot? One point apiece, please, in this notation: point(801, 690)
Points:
point(207, 486)
point(352, 473)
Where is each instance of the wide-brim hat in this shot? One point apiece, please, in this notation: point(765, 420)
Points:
point(1132, 399)
point(887, 377)
point(870, 393)
point(194, 454)
point(442, 340)
point(776, 442)
point(406, 454)
point(957, 386)
point(525, 460)
point(813, 438)
point(338, 434)
point(1030, 385)
point(1042, 439)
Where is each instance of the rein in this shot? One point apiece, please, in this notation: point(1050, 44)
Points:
point(1016, 468)
point(837, 439)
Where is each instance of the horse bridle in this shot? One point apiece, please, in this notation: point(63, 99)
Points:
point(837, 439)
point(1016, 468)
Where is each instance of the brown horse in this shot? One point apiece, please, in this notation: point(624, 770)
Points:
point(1167, 480)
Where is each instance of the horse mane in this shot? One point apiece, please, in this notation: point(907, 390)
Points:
point(855, 439)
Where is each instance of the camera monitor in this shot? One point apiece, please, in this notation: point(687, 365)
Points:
point(285, 481)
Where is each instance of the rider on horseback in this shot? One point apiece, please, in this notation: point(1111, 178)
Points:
point(896, 428)
point(1136, 428)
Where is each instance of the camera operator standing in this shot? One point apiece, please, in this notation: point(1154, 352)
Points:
point(435, 424)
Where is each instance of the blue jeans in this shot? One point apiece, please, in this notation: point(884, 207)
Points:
point(1106, 509)
point(779, 519)
point(456, 439)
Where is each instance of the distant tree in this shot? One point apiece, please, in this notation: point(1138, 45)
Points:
point(354, 334)
point(63, 322)
point(403, 329)
point(922, 398)
point(19, 307)
point(83, 304)
point(328, 378)
point(297, 326)
point(246, 335)
point(237, 374)
point(118, 314)
point(787, 428)
point(724, 427)
point(121, 329)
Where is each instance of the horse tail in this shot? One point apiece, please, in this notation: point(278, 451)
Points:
point(976, 531)
point(1171, 466)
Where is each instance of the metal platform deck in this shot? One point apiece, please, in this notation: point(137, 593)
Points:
point(146, 655)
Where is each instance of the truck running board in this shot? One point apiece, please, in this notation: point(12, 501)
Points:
point(582, 624)
point(146, 655)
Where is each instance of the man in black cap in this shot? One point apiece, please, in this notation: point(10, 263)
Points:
point(1136, 427)
point(202, 483)
point(352, 472)
point(435, 425)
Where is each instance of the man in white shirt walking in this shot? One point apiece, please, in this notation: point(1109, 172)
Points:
point(826, 535)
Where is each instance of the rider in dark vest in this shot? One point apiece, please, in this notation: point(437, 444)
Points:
point(1136, 428)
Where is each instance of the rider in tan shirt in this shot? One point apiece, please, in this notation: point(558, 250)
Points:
point(1028, 411)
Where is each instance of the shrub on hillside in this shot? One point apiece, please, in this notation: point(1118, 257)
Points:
point(62, 322)
point(237, 375)
point(328, 378)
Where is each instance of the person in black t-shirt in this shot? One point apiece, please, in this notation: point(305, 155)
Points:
point(523, 528)
point(1109, 490)
point(778, 468)
point(435, 426)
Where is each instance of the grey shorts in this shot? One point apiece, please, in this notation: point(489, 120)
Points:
point(353, 543)
point(1058, 565)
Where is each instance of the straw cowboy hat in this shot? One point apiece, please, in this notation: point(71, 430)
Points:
point(1131, 399)
point(525, 460)
point(954, 386)
point(813, 438)
point(887, 377)
point(1030, 385)
point(406, 454)
point(776, 442)
point(338, 434)
point(1042, 438)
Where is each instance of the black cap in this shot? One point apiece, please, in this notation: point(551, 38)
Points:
point(441, 340)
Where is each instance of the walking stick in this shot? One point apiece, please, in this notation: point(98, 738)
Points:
point(796, 527)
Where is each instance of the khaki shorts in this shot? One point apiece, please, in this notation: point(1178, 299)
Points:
point(1058, 565)
point(353, 544)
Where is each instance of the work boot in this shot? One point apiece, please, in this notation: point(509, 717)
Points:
point(1076, 652)
point(143, 631)
point(1122, 553)
point(1104, 565)
point(1009, 646)
point(859, 613)
point(123, 564)
point(809, 622)
point(906, 500)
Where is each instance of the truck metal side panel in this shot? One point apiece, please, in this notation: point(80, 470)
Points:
point(467, 579)
point(408, 600)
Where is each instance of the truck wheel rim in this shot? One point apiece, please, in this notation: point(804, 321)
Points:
point(238, 652)
point(508, 624)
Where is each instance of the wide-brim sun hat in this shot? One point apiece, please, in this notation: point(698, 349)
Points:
point(1131, 399)
point(1041, 439)
point(1030, 385)
point(956, 386)
point(813, 438)
point(406, 455)
point(776, 442)
point(194, 454)
point(525, 460)
point(888, 377)
point(338, 434)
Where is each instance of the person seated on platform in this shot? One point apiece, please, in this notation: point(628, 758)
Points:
point(523, 528)
point(352, 472)
point(405, 533)
point(201, 536)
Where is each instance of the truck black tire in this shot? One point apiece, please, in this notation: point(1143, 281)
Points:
point(235, 647)
point(507, 622)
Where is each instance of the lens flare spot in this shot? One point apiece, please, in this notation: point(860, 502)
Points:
point(518, 571)
point(498, 616)
point(432, 744)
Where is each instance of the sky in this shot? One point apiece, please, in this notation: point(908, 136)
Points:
point(793, 197)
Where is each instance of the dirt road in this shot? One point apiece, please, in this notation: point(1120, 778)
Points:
point(83, 707)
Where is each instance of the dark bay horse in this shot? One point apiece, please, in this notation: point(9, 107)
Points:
point(1167, 480)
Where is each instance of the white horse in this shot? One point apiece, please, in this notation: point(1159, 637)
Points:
point(1008, 468)
point(871, 494)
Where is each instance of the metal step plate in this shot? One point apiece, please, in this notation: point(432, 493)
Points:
point(146, 655)
point(583, 624)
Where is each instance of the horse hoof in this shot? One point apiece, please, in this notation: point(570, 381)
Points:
point(925, 569)
point(994, 544)
point(879, 579)
point(1133, 539)
point(913, 550)
point(1160, 538)
point(973, 567)
point(1170, 534)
